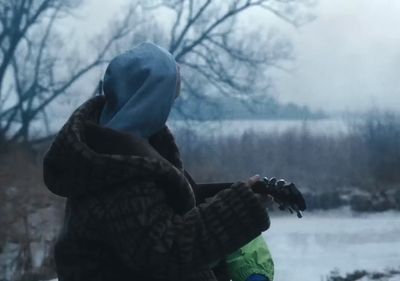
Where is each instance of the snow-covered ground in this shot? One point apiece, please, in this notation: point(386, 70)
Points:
point(308, 249)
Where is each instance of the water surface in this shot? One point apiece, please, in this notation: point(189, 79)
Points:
point(308, 249)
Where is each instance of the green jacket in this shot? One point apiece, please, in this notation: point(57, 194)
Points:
point(252, 258)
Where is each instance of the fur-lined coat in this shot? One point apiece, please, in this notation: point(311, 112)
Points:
point(131, 213)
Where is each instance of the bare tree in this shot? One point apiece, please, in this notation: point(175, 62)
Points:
point(35, 70)
point(30, 219)
point(218, 56)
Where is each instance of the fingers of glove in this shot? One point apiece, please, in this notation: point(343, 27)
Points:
point(271, 186)
point(289, 196)
point(286, 194)
point(280, 183)
point(272, 182)
point(296, 199)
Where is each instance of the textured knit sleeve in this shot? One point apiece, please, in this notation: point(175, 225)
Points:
point(150, 237)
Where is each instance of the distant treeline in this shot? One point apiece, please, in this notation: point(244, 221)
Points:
point(229, 108)
point(364, 161)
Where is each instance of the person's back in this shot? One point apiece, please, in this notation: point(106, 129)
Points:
point(131, 212)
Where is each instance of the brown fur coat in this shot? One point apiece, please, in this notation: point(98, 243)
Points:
point(131, 213)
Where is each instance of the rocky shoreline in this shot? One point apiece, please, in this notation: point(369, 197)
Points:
point(363, 275)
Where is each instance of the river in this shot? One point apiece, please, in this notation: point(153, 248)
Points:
point(308, 249)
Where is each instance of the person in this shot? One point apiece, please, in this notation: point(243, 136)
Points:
point(131, 213)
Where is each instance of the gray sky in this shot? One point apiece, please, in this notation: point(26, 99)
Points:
point(346, 59)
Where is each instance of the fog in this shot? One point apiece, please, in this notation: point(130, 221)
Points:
point(346, 59)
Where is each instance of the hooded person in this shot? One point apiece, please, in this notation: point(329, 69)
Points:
point(140, 88)
point(131, 212)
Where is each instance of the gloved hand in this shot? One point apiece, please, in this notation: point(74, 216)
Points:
point(285, 194)
point(256, 184)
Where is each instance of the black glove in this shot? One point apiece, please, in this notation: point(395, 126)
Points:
point(285, 194)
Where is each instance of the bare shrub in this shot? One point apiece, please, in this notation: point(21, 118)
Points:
point(30, 218)
point(367, 158)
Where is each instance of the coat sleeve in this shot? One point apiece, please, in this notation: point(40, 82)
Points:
point(149, 237)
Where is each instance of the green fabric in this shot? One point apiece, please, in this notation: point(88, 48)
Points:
point(252, 258)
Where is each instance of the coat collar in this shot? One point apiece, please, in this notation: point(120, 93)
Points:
point(86, 158)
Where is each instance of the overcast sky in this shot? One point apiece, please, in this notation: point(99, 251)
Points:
point(348, 58)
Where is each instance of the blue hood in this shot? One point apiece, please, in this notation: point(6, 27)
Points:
point(140, 88)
